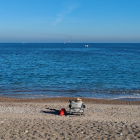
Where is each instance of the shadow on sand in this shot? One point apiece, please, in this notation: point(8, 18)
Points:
point(57, 112)
point(51, 111)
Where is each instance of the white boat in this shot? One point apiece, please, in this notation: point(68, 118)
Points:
point(86, 45)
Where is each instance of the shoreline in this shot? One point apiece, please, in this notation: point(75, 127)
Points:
point(66, 99)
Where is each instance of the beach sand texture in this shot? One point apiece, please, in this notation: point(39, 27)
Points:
point(38, 119)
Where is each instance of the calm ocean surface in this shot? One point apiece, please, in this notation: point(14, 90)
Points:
point(107, 71)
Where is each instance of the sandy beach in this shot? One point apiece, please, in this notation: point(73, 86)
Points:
point(39, 119)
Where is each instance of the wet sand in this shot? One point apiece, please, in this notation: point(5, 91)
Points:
point(38, 119)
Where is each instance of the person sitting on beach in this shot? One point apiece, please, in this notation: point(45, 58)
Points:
point(78, 100)
point(76, 106)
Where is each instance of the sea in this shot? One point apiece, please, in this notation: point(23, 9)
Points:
point(44, 70)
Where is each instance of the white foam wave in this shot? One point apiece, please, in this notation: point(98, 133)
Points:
point(127, 97)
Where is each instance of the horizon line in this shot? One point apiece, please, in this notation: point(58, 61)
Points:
point(69, 43)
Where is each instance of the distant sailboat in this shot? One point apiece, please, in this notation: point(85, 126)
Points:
point(86, 45)
point(64, 42)
point(68, 41)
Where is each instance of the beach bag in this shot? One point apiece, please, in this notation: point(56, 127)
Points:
point(62, 112)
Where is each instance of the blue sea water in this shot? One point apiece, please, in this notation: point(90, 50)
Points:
point(102, 70)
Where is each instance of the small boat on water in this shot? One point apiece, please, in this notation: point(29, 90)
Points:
point(86, 45)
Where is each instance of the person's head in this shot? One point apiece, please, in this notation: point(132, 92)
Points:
point(78, 100)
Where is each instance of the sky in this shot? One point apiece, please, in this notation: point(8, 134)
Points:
point(77, 21)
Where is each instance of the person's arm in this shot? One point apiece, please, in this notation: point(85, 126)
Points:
point(83, 105)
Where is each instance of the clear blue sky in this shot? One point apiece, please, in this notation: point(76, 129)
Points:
point(78, 21)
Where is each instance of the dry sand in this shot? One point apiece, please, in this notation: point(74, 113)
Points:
point(38, 119)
